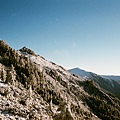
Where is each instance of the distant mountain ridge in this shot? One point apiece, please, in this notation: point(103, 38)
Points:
point(83, 73)
point(105, 82)
point(112, 77)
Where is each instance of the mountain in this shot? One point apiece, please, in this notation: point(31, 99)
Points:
point(112, 77)
point(32, 88)
point(105, 82)
point(81, 73)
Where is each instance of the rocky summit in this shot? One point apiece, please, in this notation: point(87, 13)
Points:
point(32, 88)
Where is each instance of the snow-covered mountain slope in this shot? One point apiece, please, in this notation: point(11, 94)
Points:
point(108, 84)
point(86, 74)
point(33, 88)
point(44, 64)
point(81, 73)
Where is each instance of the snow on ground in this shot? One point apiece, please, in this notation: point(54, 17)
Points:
point(6, 116)
point(80, 72)
point(3, 85)
point(43, 63)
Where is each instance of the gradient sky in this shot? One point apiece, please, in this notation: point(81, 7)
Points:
point(71, 33)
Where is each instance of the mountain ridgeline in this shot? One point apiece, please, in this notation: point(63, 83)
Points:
point(32, 88)
point(108, 83)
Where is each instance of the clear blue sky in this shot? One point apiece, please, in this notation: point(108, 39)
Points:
point(71, 33)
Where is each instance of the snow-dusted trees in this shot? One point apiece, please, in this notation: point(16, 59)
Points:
point(11, 76)
point(42, 79)
point(27, 51)
point(65, 112)
point(4, 48)
point(3, 73)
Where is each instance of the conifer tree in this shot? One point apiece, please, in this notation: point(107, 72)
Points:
point(42, 79)
point(11, 76)
point(3, 74)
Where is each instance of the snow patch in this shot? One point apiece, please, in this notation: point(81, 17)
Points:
point(3, 85)
point(43, 63)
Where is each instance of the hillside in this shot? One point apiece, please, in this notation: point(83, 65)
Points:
point(81, 73)
point(110, 85)
point(112, 77)
point(32, 88)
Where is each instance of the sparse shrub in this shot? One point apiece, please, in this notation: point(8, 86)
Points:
point(23, 102)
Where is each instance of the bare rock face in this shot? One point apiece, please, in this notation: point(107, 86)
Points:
point(31, 88)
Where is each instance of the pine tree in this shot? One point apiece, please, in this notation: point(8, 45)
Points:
point(42, 79)
point(3, 74)
point(11, 76)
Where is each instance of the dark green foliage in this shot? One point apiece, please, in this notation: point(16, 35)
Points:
point(57, 77)
point(113, 87)
point(23, 102)
point(103, 110)
point(26, 72)
point(101, 104)
point(4, 48)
